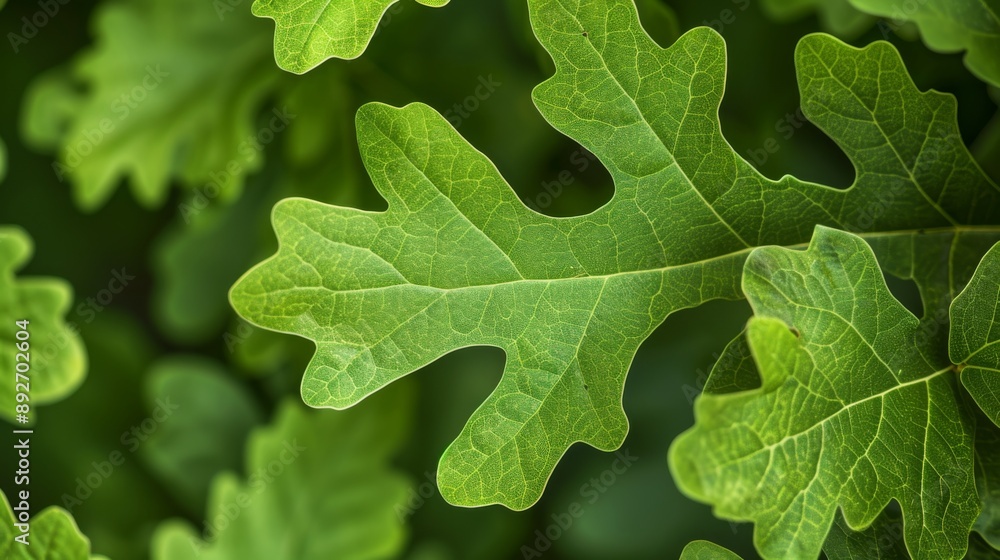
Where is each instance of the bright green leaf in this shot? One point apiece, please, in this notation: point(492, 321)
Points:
point(848, 414)
point(56, 358)
point(458, 260)
point(53, 535)
point(319, 487)
point(704, 550)
point(311, 31)
point(975, 337)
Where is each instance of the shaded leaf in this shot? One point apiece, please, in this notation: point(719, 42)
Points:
point(974, 341)
point(209, 418)
point(319, 486)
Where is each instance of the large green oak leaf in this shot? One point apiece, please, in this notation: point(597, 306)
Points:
point(458, 260)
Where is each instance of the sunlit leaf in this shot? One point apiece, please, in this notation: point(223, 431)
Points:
point(458, 260)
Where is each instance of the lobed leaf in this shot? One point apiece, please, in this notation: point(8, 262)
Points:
point(850, 413)
point(56, 357)
point(458, 260)
point(53, 534)
point(172, 89)
point(318, 486)
point(308, 32)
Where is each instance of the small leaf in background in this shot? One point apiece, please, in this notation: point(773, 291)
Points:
point(837, 16)
point(53, 534)
point(319, 486)
point(951, 26)
point(311, 31)
point(882, 539)
point(210, 415)
point(55, 358)
point(171, 94)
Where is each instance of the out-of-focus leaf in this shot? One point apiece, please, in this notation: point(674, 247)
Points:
point(704, 550)
point(980, 549)
point(210, 245)
point(53, 535)
point(839, 365)
point(206, 431)
point(311, 31)
point(319, 486)
point(837, 16)
point(974, 341)
point(55, 358)
point(171, 93)
point(951, 26)
point(948, 26)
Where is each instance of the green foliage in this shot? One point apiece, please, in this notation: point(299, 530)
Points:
point(637, 210)
point(205, 434)
point(307, 33)
point(318, 486)
point(973, 342)
point(161, 103)
point(837, 16)
point(704, 550)
point(56, 357)
point(947, 26)
point(53, 535)
point(815, 436)
point(458, 260)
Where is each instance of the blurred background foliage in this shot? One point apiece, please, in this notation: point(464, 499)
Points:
point(179, 194)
